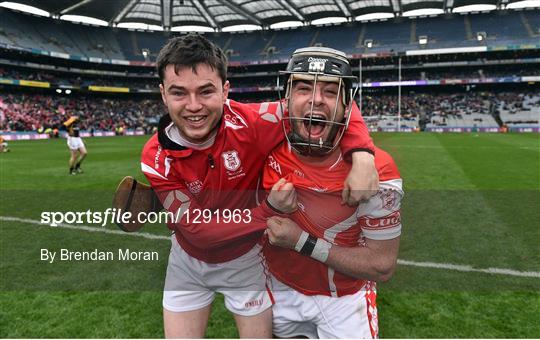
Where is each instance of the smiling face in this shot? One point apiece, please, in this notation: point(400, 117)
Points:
point(194, 99)
point(314, 108)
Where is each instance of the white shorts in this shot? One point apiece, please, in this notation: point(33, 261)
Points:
point(319, 316)
point(75, 143)
point(191, 284)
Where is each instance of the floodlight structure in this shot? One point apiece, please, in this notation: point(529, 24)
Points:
point(270, 50)
point(368, 43)
point(481, 36)
point(146, 54)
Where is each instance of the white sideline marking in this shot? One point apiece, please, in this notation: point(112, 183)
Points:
point(413, 146)
point(86, 228)
point(467, 268)
point(449, 266)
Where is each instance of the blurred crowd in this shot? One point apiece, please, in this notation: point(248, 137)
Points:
point(32, 112)
point(446, 104)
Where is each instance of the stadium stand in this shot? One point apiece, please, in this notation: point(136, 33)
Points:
point(504, 27)
point(326, 36)
point(453, 110)
point(519, 109)
point(451, 90)
point(247, 46)
point(391, 35)
point(29, 112)
point(388, 35)
point(445, 31)
point(287, 41)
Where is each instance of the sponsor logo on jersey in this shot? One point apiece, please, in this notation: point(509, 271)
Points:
point(233, 121)
point(388, 221)
point(298, 173)
point(156, 157)
point(274, 164)
point(231, 161)
point(194, 187)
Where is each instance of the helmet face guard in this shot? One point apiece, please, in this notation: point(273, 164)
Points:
point(318, 132)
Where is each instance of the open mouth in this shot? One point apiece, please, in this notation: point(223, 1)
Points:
point(316, 126)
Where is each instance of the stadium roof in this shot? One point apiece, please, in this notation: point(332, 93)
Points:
point(218, 14)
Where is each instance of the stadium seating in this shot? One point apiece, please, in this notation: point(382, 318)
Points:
point(247, 46)
point(460, 110)
point(507, 100)
point(29, 112)
point(499, 26)
point(449, 31)
point(349, 36)
point(287, 41)
point(388, 35)
point(520, 110)
point(509, 27)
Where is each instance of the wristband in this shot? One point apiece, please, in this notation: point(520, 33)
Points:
point(303, 238)
point(316, 248)
point(309, 245)
point(321, 250)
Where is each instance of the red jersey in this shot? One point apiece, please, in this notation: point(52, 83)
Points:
point(321, 214)
point(222, 176)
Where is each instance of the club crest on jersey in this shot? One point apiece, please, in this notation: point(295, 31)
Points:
point(231, 161)
point(389, 199)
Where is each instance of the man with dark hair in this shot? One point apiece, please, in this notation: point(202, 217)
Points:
point(325, 257)
point(204, 164)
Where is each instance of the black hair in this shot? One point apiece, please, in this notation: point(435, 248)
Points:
point(189, 51)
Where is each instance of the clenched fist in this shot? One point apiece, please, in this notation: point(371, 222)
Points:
point(283, 197)
point(283, 232)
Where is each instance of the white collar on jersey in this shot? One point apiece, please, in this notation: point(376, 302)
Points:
point(174, 135)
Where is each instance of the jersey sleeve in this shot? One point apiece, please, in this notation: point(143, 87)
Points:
point(268, 126)
point(176, 199)
point(380, 216)
point(356, 137)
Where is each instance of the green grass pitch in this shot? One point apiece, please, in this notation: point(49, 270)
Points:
point(471, 200)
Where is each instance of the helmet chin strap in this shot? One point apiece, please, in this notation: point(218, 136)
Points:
point(302, 147)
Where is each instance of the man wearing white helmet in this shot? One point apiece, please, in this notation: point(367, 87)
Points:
point(326, 257)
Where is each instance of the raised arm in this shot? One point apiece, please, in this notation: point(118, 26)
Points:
point(357, 146)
